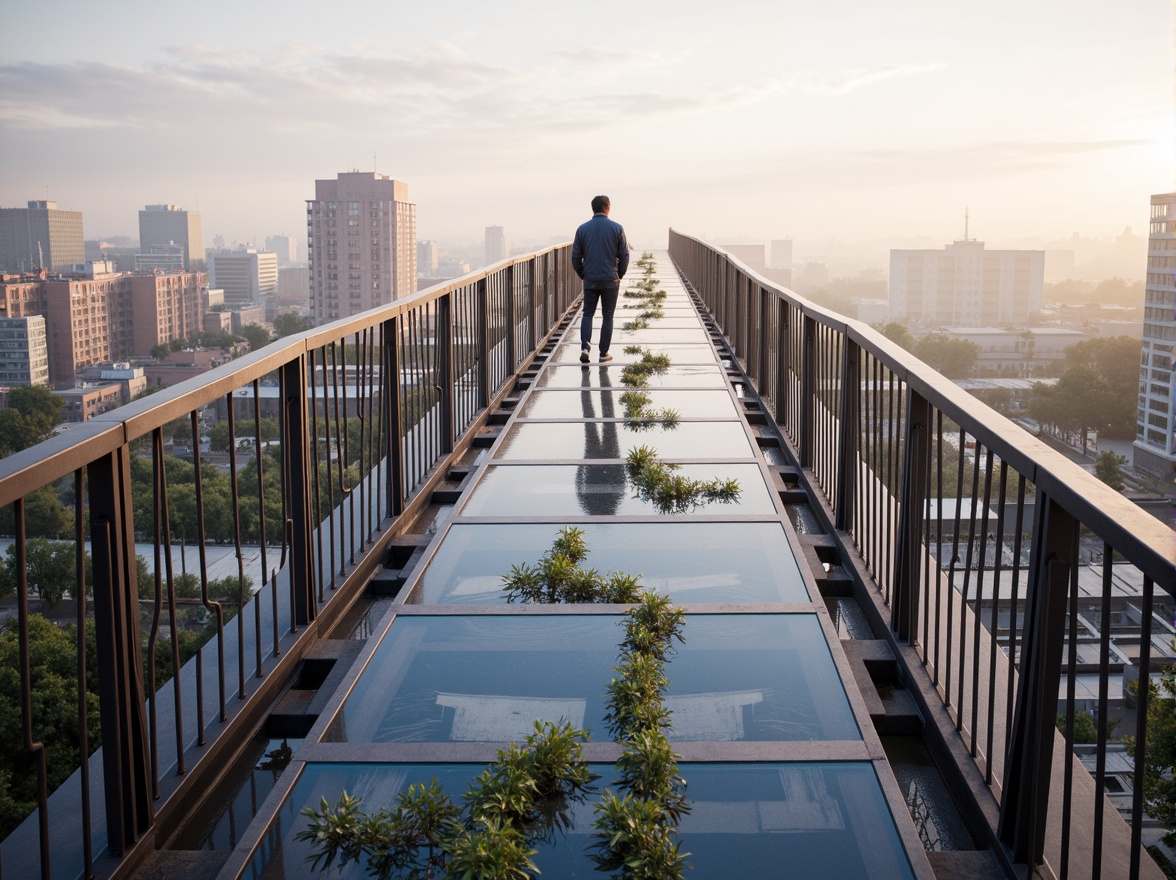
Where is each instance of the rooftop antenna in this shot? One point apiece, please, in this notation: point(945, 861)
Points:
point(965, 223)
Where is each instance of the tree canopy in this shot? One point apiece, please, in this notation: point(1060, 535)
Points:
point(257, 336)
point(1097, 389)
point(30, 417)
point(955, 358)
point(291, 323)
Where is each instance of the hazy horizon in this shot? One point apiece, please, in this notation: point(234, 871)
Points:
point(788, 121)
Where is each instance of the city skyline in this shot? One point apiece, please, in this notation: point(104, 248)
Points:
point(786, 121)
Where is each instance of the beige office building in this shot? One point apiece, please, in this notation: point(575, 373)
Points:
point(40, 236)
point(164, 225)
point(361, 239)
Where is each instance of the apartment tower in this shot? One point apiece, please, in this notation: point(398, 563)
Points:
point(1155, 430)
point(495, 244)
point(361, 239)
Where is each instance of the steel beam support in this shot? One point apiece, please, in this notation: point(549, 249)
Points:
point(1025, 793)
point(916, 483)
point(299, 451)
point(808, 391)
point(483, 306)
point(444, 337)
point(848, 423)
point(391, 367)
point(125, 756)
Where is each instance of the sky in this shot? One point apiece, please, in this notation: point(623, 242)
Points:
point(839, 120)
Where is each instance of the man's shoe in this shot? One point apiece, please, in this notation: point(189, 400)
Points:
point(604, 358)
point(583, 355)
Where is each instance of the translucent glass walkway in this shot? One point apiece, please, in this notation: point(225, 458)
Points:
point(786, 775)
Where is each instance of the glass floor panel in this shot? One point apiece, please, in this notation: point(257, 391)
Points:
point(688, 561)
point(568, 404)
point(737, 678)
point(678, 353)
point(601, 490)
point(666, 322)
point(595, 440)
point(595, 376)
point(822, 821)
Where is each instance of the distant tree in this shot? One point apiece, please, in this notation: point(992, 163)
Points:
point(1000, 399)
point(218, 434)
point(955, 358)
point(291, 323)
point(897, 332)
point(45, 516)
point(160, 352)
point(51, 566)
point(257, 336)
point(1108, 467)
point(53, 669)
point(30, 417)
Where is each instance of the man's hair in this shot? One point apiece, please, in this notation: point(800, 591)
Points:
point(599, 203)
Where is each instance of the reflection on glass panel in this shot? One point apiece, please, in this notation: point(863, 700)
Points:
point(600, 490)
point(560, 404)
point(680, 353)
point(488, 679)
point(688, 561)
point(823, 821)
point(595, 440)
point(679, 376)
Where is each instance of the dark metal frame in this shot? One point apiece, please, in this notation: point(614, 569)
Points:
point(880, 437)
point(410, 383)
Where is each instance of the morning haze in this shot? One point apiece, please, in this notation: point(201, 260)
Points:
point(813, 121)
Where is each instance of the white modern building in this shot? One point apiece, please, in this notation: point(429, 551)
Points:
point(24, 351)
point(964, 285)
point(361, 239)
point(247, 276)
point(1155, 430)
point(164, 225)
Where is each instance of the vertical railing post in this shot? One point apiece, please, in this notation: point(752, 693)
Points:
point(125, 756)
point(1025, 794)
point(512, 355)
point(763, 321)
point(394, 432)
point(916, 483)
point(443, 334)
point(783, 357)
point(483, 309)
point(847, 470)
point(532, 309)
point(296, 436)
point(808, 390)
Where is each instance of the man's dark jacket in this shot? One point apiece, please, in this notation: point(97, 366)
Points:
point(600, 253)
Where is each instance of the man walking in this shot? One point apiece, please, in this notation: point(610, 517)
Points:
point(600, 256)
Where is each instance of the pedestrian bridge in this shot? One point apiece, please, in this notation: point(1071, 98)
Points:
point(842, 706)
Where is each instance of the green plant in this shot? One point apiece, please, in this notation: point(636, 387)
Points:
point(636, 375)
point(519, 799)
point(659, 483)
point(640, 415)
point(559, 577)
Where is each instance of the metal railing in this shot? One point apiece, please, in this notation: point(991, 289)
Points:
point(354, 419)
point(972, 535)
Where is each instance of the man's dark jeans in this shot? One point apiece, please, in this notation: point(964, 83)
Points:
point(607, 297)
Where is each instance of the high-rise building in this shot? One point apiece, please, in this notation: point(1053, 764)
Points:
point(495, 244)
point(361, 239)
point(40, 237)
point(964, 285)
point(285, 246)
point(247, 276)
point(161, 225)
point(426, 258)
point(24, 351)
point(1155, 430)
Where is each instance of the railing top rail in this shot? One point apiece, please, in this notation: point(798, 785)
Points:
point(82, 443)
point(1137, 535)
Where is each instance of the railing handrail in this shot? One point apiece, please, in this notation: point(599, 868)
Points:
point(1137, 535)
point(59, 456)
